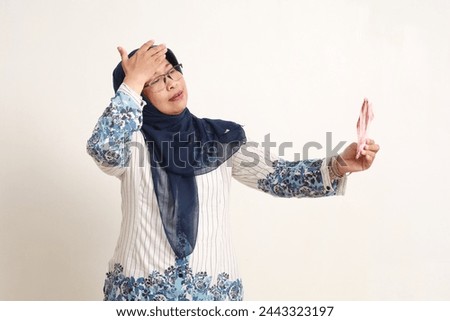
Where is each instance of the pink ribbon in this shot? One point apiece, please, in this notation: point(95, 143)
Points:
point(365, 117)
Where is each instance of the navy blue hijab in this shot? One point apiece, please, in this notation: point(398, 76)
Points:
point(182, 147)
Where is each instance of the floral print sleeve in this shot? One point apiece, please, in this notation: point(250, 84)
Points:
point(110, 142)
point(297, 179)
point(281, 178)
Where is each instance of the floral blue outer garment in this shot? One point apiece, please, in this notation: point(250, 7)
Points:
point(110, 145)
point(296, 179)
point(177, 283)
point(110, 142)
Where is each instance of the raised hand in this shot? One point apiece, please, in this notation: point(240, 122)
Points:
point(141, 67)
point(347, 162)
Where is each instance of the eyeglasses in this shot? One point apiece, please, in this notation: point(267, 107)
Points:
point(159, 82)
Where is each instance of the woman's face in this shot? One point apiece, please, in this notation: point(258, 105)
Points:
point(172, 99)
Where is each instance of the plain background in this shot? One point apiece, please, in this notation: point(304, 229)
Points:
point(294, 69)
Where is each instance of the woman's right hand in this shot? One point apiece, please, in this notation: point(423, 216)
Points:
point(141, 67)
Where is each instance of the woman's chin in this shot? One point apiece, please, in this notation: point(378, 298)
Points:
point(176, 111)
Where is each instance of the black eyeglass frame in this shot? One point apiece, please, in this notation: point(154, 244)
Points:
point(164, 76)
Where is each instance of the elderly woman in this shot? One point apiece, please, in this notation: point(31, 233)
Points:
point(175, 171)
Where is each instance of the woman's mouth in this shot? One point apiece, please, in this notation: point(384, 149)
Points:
point(177, 96)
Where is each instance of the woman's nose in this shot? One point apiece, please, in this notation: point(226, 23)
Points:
point(170, 83)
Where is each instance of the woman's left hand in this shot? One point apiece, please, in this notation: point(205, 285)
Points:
point(347, 162)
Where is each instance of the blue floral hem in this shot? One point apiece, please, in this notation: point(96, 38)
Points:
point(177, 283)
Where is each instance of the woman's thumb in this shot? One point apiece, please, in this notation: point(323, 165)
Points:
point(123, 53)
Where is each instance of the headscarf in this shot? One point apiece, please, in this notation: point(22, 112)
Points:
point(182, 147)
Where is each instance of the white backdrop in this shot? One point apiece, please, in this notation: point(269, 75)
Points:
point(294, 69)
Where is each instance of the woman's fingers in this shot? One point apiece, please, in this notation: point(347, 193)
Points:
point(370, 150)
point(373, 148)
point(146, 46)
point(143, 64)
point(370, 145)
point(154, 54)
point(157, 54)
point(157, 50)
point(147, 50)
point(123, 53)
point(160, 55)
